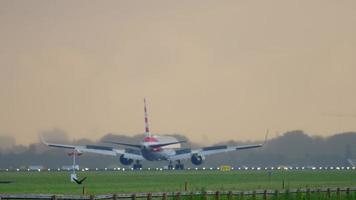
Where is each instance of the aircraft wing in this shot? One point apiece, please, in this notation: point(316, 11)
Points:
point(103, 150)
point(223, 149)
point(182, 154)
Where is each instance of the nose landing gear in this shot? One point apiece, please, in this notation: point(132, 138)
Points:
point(170, 165)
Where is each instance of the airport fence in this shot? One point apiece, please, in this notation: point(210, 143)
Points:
point(287, 194)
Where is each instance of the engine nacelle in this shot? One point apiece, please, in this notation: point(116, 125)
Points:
point(125, 161)
point(197, 159)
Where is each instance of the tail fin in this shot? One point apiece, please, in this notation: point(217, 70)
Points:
point(147, 130)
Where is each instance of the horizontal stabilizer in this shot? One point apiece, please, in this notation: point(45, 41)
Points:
point(124, 144)
point(166, 144)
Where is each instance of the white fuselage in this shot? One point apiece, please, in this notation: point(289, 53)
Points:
point(160, 153)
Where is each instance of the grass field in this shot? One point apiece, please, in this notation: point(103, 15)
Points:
point(153, 181)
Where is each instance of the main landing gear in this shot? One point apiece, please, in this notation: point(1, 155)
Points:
point(178, 166)
point(137, 165)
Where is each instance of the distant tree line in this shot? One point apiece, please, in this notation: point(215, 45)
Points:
point(294, 148)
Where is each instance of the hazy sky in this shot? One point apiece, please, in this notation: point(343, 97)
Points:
point(211, 70)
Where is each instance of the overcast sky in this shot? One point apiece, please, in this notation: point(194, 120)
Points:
point(210, 70)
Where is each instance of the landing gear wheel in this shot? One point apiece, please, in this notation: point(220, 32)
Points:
point(137, 166)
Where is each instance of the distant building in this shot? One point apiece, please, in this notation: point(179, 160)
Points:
point(36, 167)
point(70, 167)
point(352, 162)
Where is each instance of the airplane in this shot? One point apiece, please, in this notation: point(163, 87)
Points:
point(154, 148)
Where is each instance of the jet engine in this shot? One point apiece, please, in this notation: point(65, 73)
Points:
point(197, 159)
point(125, 161)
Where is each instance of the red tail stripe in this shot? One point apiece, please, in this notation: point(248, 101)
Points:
point(150, 139)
